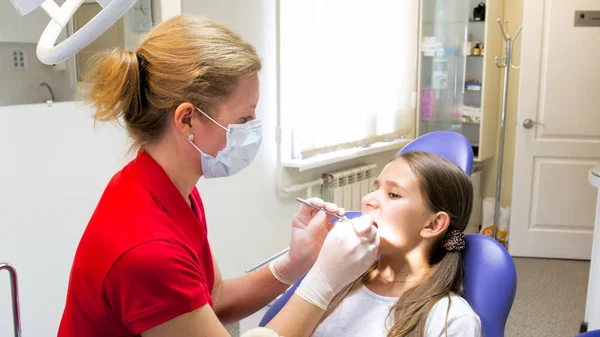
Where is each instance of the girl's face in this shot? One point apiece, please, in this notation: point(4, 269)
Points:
point(399, 208)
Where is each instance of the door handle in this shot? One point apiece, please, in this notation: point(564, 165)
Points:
point(528, 123)
point(14, 291)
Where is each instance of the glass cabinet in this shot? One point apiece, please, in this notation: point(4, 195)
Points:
point(458, 82)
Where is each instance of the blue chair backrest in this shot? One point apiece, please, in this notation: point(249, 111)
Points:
point(490, 274)
point(447, 144)
point(490, 282)
point(595, 333)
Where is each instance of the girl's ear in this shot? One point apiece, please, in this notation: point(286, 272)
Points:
point(436, 225)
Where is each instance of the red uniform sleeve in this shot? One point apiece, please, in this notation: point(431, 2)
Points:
point(154, 283)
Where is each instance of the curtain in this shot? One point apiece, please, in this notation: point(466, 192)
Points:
point(347, 72)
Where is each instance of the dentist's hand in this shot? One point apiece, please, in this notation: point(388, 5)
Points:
point(349, 250)
point(309, 230)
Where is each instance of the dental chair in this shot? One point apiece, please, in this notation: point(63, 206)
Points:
point(490, 275)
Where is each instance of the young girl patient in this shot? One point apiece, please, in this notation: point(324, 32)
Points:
point(422, 204)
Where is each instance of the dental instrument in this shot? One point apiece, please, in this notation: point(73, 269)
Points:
point(306, 202)
point(340, 218)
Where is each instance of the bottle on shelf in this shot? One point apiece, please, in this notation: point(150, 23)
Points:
point(477, 49)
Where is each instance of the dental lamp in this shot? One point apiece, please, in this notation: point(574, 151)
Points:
point(49, 53)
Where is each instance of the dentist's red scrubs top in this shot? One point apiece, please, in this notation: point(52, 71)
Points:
point(144, 257)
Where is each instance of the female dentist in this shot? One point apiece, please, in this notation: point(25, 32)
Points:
point(144, 266)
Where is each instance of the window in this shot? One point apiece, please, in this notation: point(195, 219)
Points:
point(347, 73)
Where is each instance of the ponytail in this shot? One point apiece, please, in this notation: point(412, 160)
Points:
point(112, 85)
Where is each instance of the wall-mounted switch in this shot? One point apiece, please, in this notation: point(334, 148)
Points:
point(587, 18)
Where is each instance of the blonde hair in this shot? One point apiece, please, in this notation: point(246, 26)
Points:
point(184, 59)
point(445, 188)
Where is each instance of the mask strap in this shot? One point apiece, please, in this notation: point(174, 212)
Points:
point(214, 121)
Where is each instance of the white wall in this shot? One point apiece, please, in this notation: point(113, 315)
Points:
point(17, 28)
point(53, 169)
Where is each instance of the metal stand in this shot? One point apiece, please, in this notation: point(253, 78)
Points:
point(506, 63)
point(14, 291)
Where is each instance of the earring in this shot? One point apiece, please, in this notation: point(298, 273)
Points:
point(190, 136)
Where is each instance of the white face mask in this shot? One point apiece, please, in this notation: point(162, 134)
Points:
point(243, 142)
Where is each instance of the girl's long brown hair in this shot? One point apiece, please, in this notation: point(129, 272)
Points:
point(445, 188)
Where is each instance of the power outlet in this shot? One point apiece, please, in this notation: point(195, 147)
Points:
point(18, 60)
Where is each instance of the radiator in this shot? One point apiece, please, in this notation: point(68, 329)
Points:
point(346, 187)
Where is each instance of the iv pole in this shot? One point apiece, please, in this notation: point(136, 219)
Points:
point(506, 63)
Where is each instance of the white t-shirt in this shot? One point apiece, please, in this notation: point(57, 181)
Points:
point(365, 313)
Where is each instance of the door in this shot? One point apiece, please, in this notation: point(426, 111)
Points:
point(553, 205)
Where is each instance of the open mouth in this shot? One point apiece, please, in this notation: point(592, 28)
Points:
point(372, 217)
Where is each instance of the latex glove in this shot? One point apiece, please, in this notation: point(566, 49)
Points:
point(309, 230)
point(260, 332)
point(347, 253)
